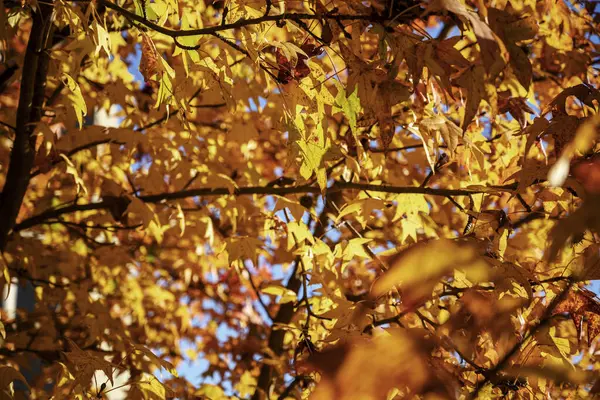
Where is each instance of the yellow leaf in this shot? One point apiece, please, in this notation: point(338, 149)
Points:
point(212, 392)
point(473, 80)
point(75, 97)
point(296, 209)
point(247, 385)
point(286, 295)
point(71, 170)
point(243, 248)
point(149, 388)
point(312, 160)
point(349, 106)
point(156, 230)
point(362, 206)
point(298, 232)
point(102, 39)
point(410, 205)
point(181, 218)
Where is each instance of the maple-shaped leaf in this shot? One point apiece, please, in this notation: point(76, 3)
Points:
point(587, 216)
point(517, 107)
point(574, 137)
point(512, 28)
point(313, 157)
point(294, 207)
point(378, 91)
point(487, 40)
point(298, 232)
point(86, 364)
point(562, 128)
point(347, 251)
point(584, 93)
point(507, 274)
point(472, 79)
point(149, 388)
point(149, 60)
point(292, 60)
point(363, 207)
point(582, 304)
point(154, 359)
point(442, 59)
point(447, 129)
point(243, 248)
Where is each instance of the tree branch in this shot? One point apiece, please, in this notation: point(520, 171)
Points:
point(258, 190)
point(29, 112)
point(211, 30)
point(544, 320)
point(283, 317)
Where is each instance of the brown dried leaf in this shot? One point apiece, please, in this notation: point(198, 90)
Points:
point(580, 304)
point(583, 92)
point(517, 107)
point(149, 61)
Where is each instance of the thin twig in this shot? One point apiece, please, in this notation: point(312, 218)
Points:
point(544, 320)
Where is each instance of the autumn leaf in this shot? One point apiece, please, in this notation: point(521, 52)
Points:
point(512, 29)
point(350, 106)
point(76, 98)
point(154, 359)
point(419, 268)
point(582, 305)
point(309, 199)
point(243, 248)
point(284, 295)
point(149, 388)
point(472, 80)
point(344, 375)
point(149, 63)
point(8, 375)
point(488, 42)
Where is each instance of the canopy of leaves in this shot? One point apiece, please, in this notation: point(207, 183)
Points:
point(273, 199)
